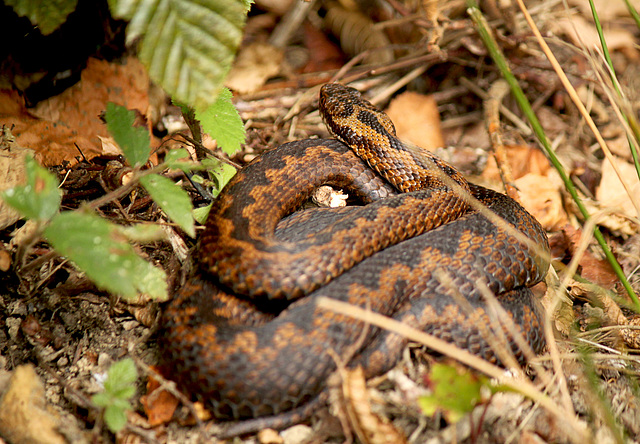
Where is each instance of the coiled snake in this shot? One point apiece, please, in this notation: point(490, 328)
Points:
point(241, 338)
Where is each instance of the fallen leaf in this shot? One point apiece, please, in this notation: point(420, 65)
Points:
point(24, 417)
point(60, 126)
point(542, 198)
point(417, 120)
point(523, 160)
point(607, 9)
point(563, 247)
point(581, 31)
point(611, 193)
point(159, 405)
point(255, 64)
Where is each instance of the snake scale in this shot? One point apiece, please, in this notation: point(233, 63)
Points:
point(245, 335)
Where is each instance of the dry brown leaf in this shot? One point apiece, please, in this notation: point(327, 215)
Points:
point(541, 197)
point(582, 31)
point(417, 120)
point(564, 245)
point(159, 405)
point(321, 53)
point(612, 195)
point(522, 159)
point(255, 64)
point(352, 400)
point(24, 417)
point(607, 9)
point(611, 309)
point(73, 117)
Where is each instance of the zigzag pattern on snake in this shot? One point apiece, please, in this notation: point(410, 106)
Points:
point(245, 336)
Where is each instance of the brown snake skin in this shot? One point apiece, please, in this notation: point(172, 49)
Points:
point(241, 338)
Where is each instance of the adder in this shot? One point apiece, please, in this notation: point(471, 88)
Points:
point(245, 336)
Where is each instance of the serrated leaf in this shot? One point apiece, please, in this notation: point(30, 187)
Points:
point(134, 141)
point(121, 374)
point(46, 15)
point(455, 391)
point(39, 199)
point(172, 199)
point(186, 45)
point(118, 389)
point(223, 123)
point(99, 249)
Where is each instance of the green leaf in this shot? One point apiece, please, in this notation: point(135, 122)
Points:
point(115, 418)
point(223, 123)
point(201, 214)
point(222, 173)
point(172, 199)
point(121, 374)
point(101, 399)
point(39, 199)
point(186, 45)
point(456, 391)
point(133, 140)
point(180, 159)
point(46, 15)
point(119, 387)
point(99, 249)
point(143, 233)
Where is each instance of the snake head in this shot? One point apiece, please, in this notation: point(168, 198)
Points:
point(337, 102)
point(343, 108)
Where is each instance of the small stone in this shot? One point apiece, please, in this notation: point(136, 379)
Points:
point(269, 436)
point(297, 433)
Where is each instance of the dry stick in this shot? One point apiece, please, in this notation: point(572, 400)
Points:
point(521, 385)
point(614, 104)
point(576, 100)
point(499, 222)
point(497, 92)
point(555, 354)
point(492, 333)
point(506, 112)
point(290, 23)
point(403, 81)
point(498, 57)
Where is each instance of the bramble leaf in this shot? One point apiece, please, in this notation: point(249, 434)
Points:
point(186, 45)
point(456, 391)
point(39, 199)
point(172, 199)
point(133, 140)
point(223, 123)
point(100, 249)
point(47, 16)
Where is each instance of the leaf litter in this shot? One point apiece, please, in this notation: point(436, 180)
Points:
point(54, 317)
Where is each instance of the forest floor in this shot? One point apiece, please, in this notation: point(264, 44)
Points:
point(60, 334)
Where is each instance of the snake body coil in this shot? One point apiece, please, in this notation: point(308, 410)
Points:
point(408, 252)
